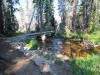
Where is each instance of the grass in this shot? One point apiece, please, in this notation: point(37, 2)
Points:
point(58, 61)
point(12, 34)
point(47, 56)
point(93, 37)
point(86, 66)
point(27, 40)
point(18, 33)
point(32, 43)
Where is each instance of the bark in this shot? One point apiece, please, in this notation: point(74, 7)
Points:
point(74, 16)
point(64, 12)
point(41, 14)
point(28, 29)
point(1, 18)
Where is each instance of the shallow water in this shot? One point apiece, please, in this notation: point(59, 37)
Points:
point(73, 48)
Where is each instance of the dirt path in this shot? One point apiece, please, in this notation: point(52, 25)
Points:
point(18, 64)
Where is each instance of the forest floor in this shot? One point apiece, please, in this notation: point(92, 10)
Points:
point(18, 64)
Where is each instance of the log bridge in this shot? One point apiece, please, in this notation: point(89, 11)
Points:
point(42, 35)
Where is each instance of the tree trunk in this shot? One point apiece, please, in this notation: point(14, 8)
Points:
point(40, 14)
point(74, 16)
point(64, 12)
point(1, 18)
point(28, 29)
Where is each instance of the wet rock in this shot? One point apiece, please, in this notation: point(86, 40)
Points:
point(43, 37)
point(50, 48)
point(59, 43)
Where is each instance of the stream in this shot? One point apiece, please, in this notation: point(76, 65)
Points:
point(72, 48)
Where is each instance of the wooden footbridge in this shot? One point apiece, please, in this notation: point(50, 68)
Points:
point(43, 35)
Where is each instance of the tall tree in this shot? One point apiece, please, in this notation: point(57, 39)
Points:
point(48, 10)
point(1, 18)
point(39, 6)
point(74, 8)
point(9, 18)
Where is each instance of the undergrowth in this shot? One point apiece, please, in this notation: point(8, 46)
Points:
point(12, 34)
point(58, 61)
point(86, 66)
point(32, 43)
point(93, 37)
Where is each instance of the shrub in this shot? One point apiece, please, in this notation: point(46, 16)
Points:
point(47, 28)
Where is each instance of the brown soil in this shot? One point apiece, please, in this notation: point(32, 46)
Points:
point(18, 64)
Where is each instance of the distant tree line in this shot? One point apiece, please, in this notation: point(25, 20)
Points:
point(76, 15)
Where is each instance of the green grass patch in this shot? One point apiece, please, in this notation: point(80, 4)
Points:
point(18, 33)
point(92, 37)
point(27, 40)
point(95, 39)
point(47, 56)
point(12, 34)
point(86, 66)
point(58, 61)
point(32, 43)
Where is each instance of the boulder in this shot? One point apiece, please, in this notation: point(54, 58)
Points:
point(42, 63)
point(44, 67)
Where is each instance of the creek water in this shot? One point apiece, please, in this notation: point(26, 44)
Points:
point(72, 48)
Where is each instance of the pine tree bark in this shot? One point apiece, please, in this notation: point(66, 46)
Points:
point(74, 15)
point(1, 18)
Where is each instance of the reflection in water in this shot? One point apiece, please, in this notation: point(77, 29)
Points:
point(70, 48)
point(74, 49)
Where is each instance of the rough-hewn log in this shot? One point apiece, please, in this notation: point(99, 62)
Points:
point(40, 33)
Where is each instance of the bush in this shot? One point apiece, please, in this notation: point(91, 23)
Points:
point(61, 34)
point(64, 32)
point(47, 28)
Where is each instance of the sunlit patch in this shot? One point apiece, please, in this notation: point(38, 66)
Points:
point(20, 64)
point(10, 50)
point(78, 49)
point(74, 49)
